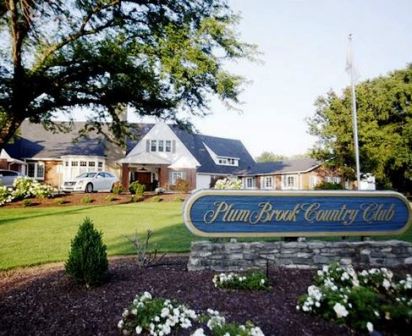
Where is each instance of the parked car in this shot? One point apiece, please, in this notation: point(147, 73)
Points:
point(7, 177)
point(90, 182)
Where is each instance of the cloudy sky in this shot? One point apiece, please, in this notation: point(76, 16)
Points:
point(304, 46)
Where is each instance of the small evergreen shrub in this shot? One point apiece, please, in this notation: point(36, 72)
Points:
point(110, 198)
point(156, 199)
point(136, 188)
point(27, 202)
point(60, 201)
point(251, 281)
point(87, 263)
point(86, 200)
point(117, 188)
point(329, 186)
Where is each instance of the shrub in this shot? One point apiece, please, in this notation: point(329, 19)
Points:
point(329, 186)
point(252, 281)
point(27, 202)
point(365, 301)
point(228, 184)
point(25, 187)
point(156, 199)
point(182, 185)
point(136, 198)
point(87, 263)
point(5, 195)
point(60, 201)
point(110, 198)
point(86, 200)
point(136, 188)
point(117, 188)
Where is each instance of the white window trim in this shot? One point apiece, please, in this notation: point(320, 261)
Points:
point(253, 184)
point(285, 179)
point(36, 169)
point(265, 179)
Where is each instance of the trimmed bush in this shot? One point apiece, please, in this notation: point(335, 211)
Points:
point(329, 186)
point(136, 188)
point(86, 200)
point(87, 263)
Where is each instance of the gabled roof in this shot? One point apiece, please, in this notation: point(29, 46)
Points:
point(37, 142)
point(195, 143)
point(281, 167)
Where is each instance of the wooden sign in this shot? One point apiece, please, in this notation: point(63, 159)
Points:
point(241, 213)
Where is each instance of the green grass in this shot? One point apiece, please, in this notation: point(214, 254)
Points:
point(31, 235)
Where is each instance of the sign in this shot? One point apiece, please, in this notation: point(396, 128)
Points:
point(240, 213)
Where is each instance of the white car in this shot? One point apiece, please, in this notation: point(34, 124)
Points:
point(90, 182)
point(7, 177)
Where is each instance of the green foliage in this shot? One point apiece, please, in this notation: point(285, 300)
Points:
point(365, 301)
point(156, 56)
point(156, 199)
point(117, 188)
point(251, 281)
point(136, 198)
point(270, 157)
point(27, 202)
point(384, 107)
point(86, 200)
point(87, 263)
point(182, 185)
point(24, 187)
point(136, 188)
point(329, 186)
point(110, 198)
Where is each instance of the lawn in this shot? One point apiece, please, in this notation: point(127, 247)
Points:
point(38, 235)
point(31, 236)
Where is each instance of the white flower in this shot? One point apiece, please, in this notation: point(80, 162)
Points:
point(125, 313)
point(186, 324)
point(369, 326)
point(199, 332)
point(134, 311)
point(386, 284)
point(165, 312)
point(256, 331)
point(120, 324)
point(226, 334)
point(138, 330)
point(262, 281)
point(146, 296)
point(340, 310)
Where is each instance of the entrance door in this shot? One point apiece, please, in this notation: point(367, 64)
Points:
point(145, 179)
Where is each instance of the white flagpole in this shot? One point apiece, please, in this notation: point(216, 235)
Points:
point(354, 115)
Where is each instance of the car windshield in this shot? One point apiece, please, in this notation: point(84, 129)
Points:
point(86, 175)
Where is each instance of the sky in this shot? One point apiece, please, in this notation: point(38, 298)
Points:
point(304, 45)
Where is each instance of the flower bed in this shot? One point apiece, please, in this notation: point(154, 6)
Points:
point(366, 301)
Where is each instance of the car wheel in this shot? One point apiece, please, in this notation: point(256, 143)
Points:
point(89, 188)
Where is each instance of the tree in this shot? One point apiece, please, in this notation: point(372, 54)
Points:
point(158, 56)
point(270, 157)
point(384, 107)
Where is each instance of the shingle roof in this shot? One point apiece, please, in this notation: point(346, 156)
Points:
point(37, 142)
point(281, 167)
point(195, 143)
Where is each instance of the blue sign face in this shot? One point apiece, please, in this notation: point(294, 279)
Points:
point(223, 213)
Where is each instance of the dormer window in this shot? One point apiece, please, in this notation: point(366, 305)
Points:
point(225, 161)
point(168, 146)
point(153, 146)
point(161, 145)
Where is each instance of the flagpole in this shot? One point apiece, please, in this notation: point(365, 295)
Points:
point(354, 119)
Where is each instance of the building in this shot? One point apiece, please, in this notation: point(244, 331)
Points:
point(161, 155)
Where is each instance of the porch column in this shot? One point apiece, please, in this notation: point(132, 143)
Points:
point(3, 164)
point(125, 176)
point(163, 176)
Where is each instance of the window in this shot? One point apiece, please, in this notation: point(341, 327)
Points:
point(66, 163)
point(153, 146)
point(175, 175)
point(100, 164)
point(35, 170)
point(75, 163)
point(268, 182)
point(290, 182)
point(161, 146)
point(168, 147)
point(92, 164)
point(83, 163)
point(249, 182)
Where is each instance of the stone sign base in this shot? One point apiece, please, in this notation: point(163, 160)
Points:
point(235, 256)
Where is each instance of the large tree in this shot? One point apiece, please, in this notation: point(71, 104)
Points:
point(158, 56)
point(384, 107)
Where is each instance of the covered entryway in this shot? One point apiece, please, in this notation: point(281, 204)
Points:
point(144, 178)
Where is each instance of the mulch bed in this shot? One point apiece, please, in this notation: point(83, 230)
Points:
point(43, 301)
point(100, 198)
